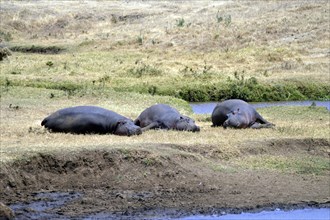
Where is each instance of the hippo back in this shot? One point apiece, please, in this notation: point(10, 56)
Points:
point(165, 117)
point(87, 119)
point(159, 113)
point(237, 113)
point(221, 111)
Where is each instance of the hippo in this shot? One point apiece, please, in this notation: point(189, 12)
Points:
point(237, 113)
point(161, 116)
point(90, 119)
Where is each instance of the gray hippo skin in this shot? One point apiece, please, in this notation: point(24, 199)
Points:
point(163, 116)
point(90, 119)
point(237, 113)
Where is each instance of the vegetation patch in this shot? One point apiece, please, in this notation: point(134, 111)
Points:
point(144, 70)
point(38, 49)
point(301, 165)
point(4, 53)
point(7, 36)
point(249, 90)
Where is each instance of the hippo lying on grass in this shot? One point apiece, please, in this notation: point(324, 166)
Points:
point(163, 116)
point(90, 119)
point(236, 113)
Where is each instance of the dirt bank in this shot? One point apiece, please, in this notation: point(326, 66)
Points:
point(132, 182)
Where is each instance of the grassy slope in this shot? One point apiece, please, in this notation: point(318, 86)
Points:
point(141, 47)
point(218, 149)
point(114, 46)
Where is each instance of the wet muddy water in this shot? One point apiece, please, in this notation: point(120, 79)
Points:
point(44, 206)
point(301, 214)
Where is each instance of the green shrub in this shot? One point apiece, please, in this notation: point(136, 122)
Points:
point(180, 22)
point(50, 63)
point(144, 70)
point(38, 49)
point(4, 53)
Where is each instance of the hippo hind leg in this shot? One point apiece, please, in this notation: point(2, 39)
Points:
point(137, 122)
point(152, 125)
point(257, 125)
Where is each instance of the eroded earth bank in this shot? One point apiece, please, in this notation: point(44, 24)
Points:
point(125, 183)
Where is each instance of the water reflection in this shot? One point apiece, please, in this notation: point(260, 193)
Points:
point(207, 107)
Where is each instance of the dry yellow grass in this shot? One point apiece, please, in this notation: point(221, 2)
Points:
point(270, 40)
point(22, 134)
point(274, 41)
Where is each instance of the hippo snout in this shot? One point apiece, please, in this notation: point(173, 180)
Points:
point(136, 131)
point(194, 129)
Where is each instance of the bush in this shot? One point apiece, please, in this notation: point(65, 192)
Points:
point(180, 22)
point(37, 49)
point(4, 53)
point(144, 70)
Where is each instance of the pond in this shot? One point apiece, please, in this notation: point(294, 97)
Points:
point(300, 214)
point(207, 107)
point(46, 204)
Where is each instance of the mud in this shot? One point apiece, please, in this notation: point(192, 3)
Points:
point(125, 183)
point(43, 205)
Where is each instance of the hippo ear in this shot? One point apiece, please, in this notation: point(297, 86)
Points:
point(183, 118)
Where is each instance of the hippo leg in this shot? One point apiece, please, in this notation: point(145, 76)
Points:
point(260, 119)
point(137, 122)
point(257, 125)
point(150, 126)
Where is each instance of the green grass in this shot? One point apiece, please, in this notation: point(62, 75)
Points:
point(301, 165)
point(37, 49)
point(82, 60)
point(127, 73)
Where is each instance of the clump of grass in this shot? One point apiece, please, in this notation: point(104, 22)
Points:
point(149, 161)
point(4, 53)
point(144, 70)
point(180, 22)
point(49, 63)
point(69, 87)
point(38, 49)
point(139, 40)
point(201, 73)
point(225, 18)
point(7, 36)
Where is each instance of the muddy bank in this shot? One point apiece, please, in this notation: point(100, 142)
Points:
point(131, 182)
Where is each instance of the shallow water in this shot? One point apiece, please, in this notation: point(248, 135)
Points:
point(42, 207)
point(207, 107)
point(45, 204)
point(301, 214)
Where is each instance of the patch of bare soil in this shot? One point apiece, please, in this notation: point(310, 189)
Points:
point(128, 183)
